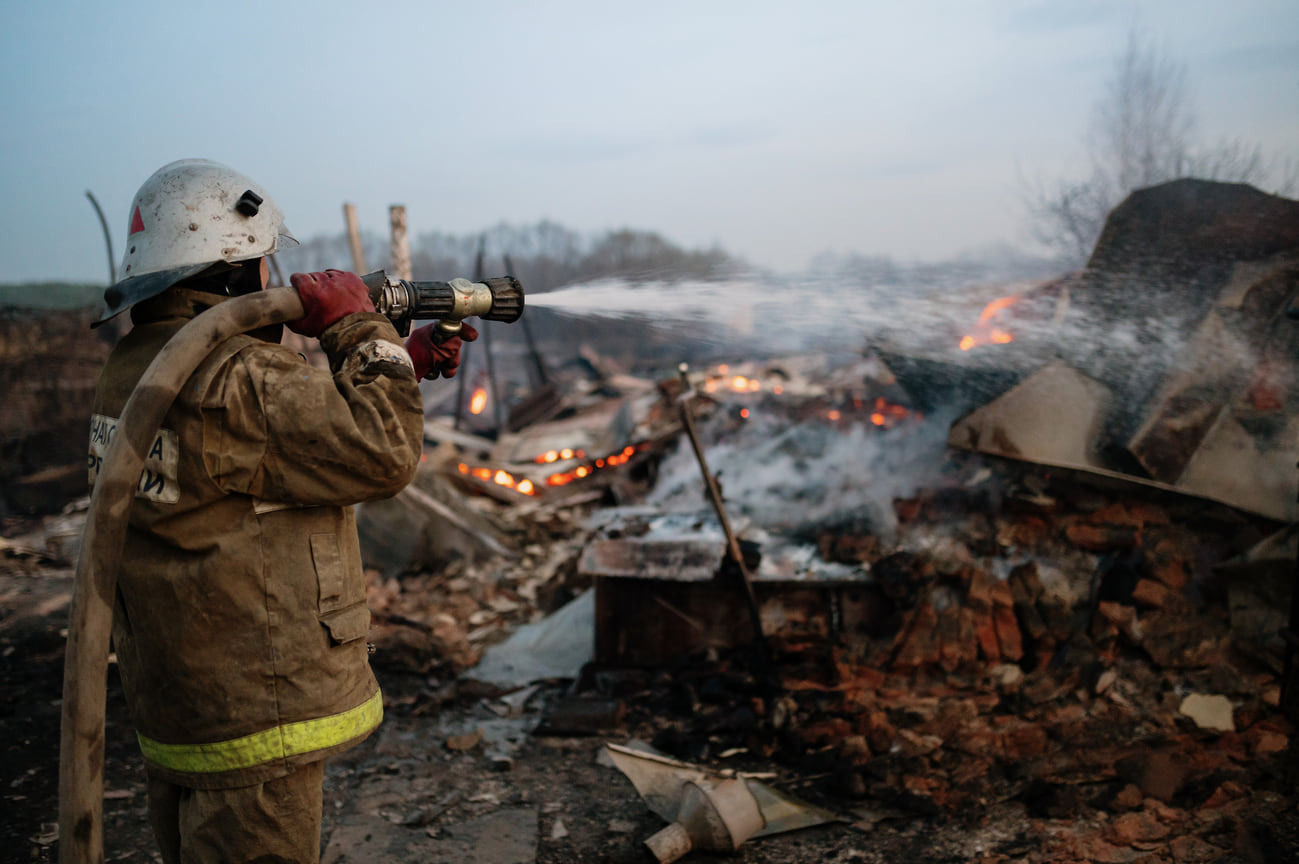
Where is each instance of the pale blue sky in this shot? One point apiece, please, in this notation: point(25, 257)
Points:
point(778, 130)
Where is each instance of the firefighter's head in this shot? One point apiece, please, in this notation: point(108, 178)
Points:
point(201, 221)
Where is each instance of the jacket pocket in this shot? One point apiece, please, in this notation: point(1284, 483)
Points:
point(330, 573)
point(347, 625)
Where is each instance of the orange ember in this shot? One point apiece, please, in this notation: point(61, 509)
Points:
point(886, 414)
point(500, 478)
point(478, 401)
point(984, 332)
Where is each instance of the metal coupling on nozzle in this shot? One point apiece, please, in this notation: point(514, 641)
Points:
point(404, 301)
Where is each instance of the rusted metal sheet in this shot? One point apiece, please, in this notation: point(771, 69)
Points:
point(1054, 416)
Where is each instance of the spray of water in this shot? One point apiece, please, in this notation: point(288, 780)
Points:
point(763, 316)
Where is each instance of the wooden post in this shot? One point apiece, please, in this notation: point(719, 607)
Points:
point(354, 238)
point(400, 248)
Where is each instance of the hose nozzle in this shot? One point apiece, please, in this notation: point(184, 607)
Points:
point(403, 301)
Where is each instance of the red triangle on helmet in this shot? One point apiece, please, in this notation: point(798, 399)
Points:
point(137, 224)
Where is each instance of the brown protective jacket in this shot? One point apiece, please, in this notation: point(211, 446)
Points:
point(240, 614)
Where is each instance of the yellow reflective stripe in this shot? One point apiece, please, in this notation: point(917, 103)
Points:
point(291, 739)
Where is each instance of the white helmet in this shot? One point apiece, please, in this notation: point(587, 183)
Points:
point(188, 216)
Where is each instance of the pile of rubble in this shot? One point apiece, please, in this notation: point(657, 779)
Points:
point(1102, 655)
point(1134, 727)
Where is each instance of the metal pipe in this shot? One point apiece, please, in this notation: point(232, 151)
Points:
point(108, 238)
point(85, 671)
point(715, 498)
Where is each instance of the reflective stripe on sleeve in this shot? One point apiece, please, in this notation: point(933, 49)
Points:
point(290, 739)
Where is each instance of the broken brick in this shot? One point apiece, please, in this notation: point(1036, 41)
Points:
point(1189, 849)
point(1101, 538)
point(1170, 563)
point(916, 645)
point(1150, 593)
point(1264, 742)
point(978, 593)
point(1009, 639)
point(1229, 792)
point(1129, 798)
point(1123, 617)
point(1136, 827)
point(1021, 740)
point(985, 633)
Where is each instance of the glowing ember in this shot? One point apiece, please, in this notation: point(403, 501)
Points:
point(504, 478)
point(500, 477)
point(555, 455)
point(886, 414)
point(478, 401)
point(611, 461)
point(744, 412)
point(984, 332)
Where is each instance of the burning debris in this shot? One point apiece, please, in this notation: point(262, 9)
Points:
point(1170, 360)
point(953, 640)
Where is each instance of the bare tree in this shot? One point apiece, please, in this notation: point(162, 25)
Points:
point(1141, 134)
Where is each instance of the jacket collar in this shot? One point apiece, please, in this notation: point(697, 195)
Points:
point(175, 302)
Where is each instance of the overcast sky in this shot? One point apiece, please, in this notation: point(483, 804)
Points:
point(777, 130)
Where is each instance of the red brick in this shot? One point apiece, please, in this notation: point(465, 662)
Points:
point(978, 741)
point(1136, 827)
point(978, 595)
point(1009, 639)
point(1029, 531)
point(1025, 741)
point(985, 633)
point(1101, 538)
point(1129, 798)
point(1192, 850)
point(957, 645)
point(1226, 794)
point(1170, 563)
point(880, 733)
point(1122, 617)
point(1264, 742)
point(1150, 593)
point(918, 646)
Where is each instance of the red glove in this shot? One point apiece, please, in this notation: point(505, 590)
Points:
point(326, 298)
point(430, 357)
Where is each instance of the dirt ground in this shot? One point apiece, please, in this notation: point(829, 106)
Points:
point(403, 795)
point(448, 778)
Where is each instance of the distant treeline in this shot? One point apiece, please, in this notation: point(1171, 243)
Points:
point(50, 295)
point(545, 255)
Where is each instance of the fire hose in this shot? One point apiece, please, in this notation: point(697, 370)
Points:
point(85, 676)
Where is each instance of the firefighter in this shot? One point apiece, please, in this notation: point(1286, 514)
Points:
point(239, 621)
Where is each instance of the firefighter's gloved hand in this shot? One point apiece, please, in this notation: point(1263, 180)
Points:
point(326, 298)
point(432, 358)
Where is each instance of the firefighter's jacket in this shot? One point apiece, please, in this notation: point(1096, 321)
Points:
point(240, 616)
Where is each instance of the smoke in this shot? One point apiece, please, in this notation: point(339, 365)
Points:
point(791, 479)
